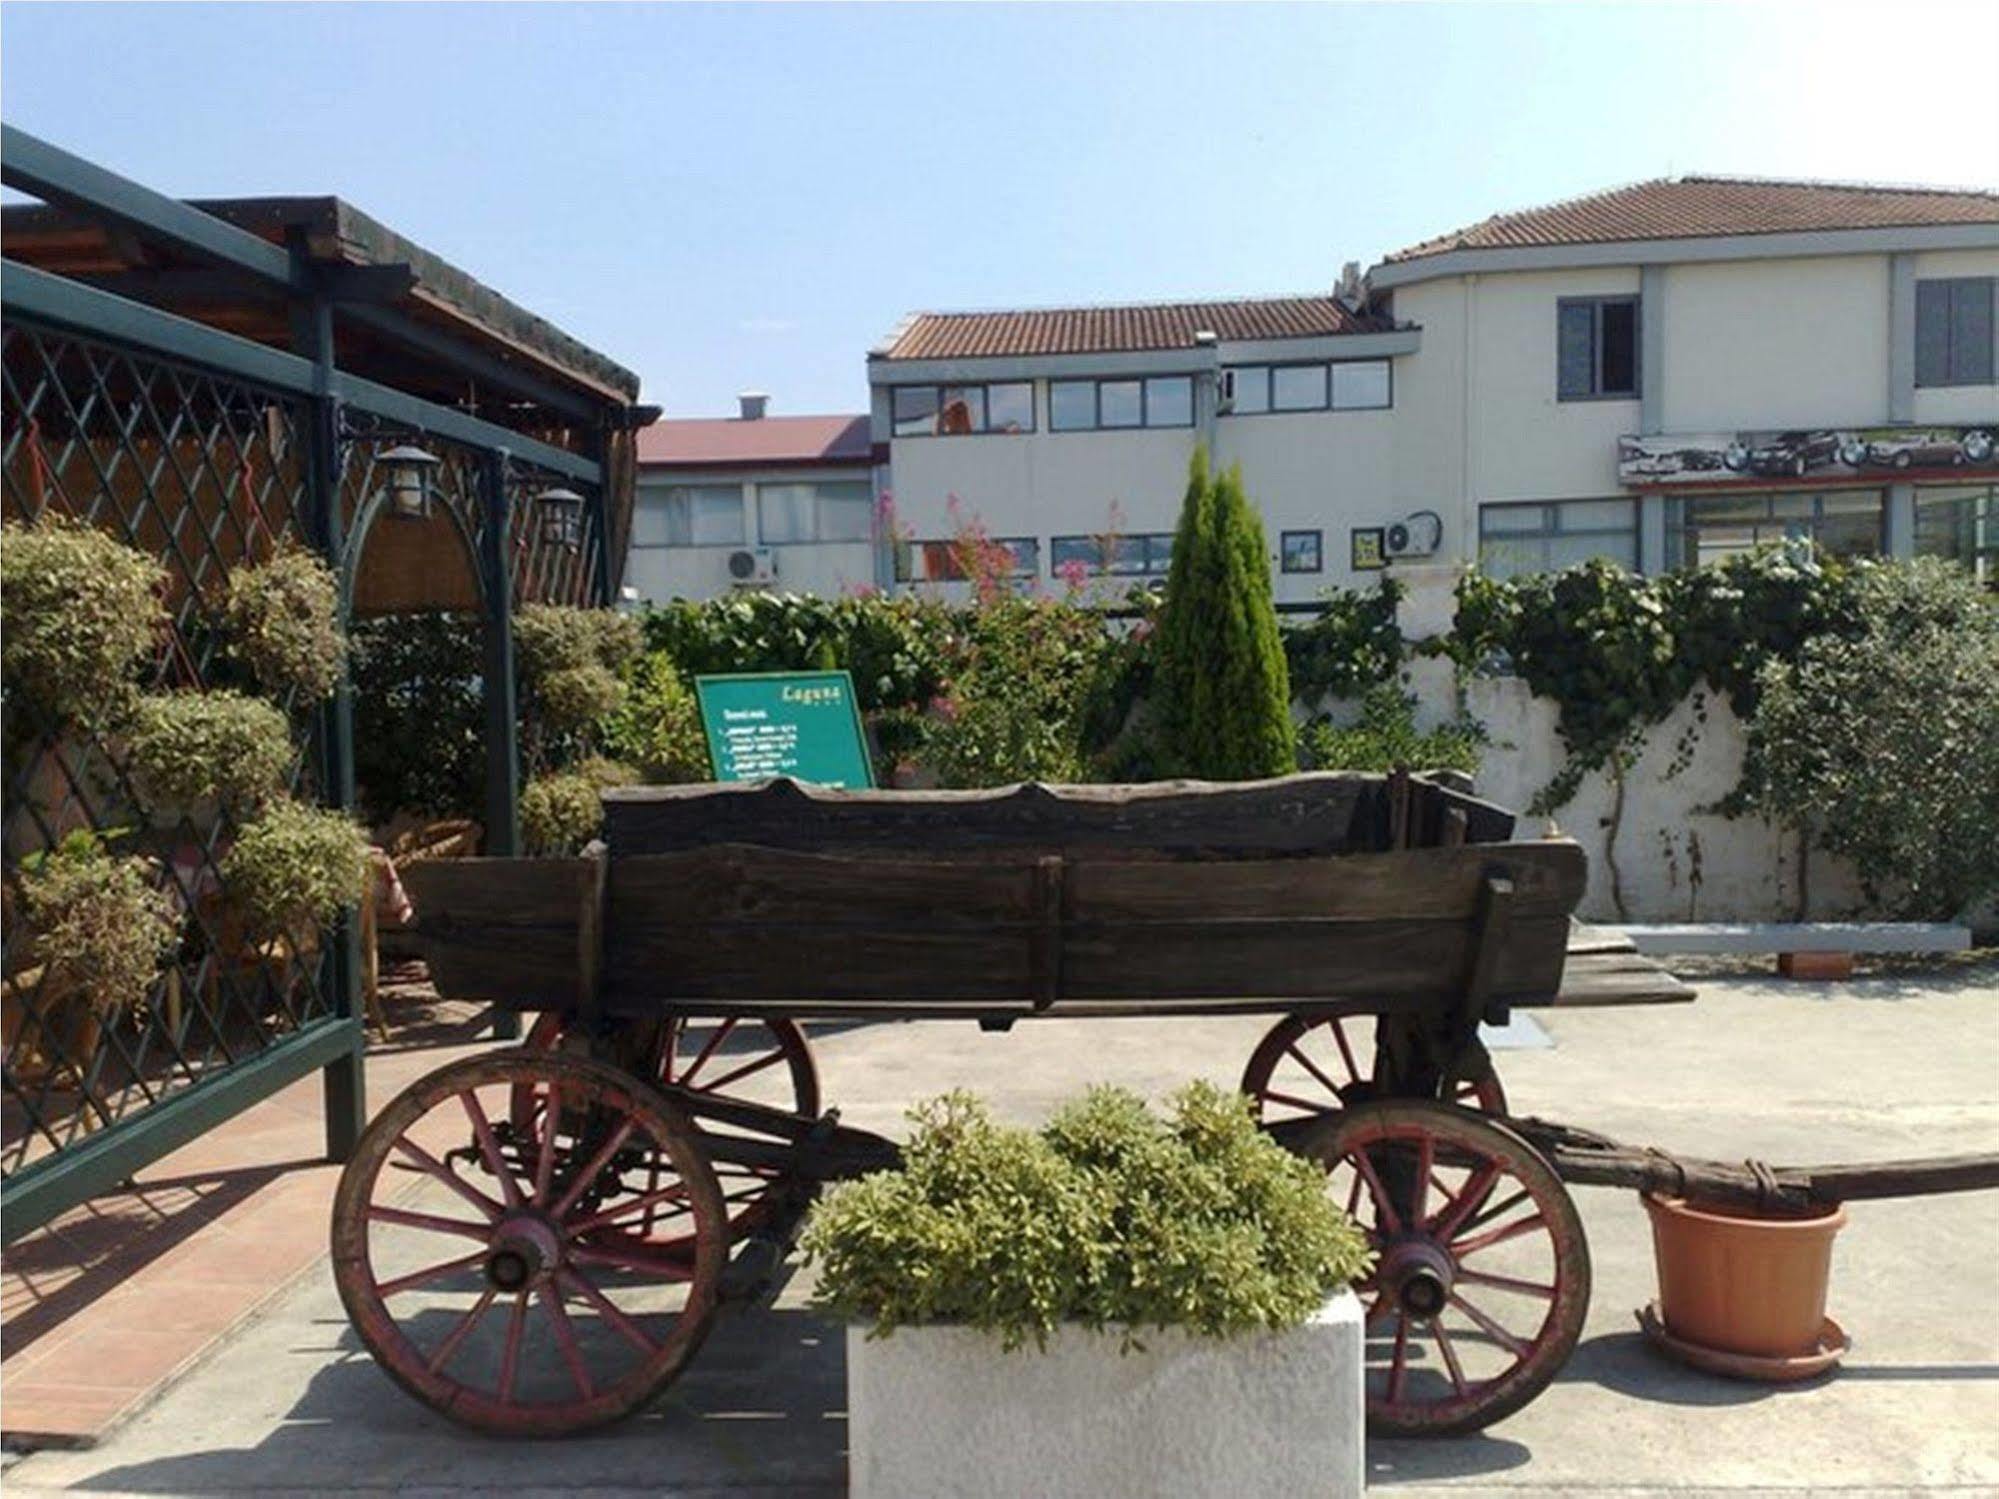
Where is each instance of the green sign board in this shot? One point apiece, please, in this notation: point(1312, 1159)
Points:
point(805, 725)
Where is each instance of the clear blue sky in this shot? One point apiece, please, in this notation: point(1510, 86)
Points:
point(732, 197)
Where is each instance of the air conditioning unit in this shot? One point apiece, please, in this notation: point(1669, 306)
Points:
point(1418, 536)
point(749, 566)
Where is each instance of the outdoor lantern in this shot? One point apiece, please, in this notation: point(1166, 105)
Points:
point(561, 518)
point(409, 481)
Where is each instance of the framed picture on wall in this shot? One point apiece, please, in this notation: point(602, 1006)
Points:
point(1369, 549)
point(1301, 552)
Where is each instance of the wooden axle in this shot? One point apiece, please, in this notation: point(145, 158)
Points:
point(1592, 1161)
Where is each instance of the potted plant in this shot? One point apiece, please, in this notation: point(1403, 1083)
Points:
point(289, 872)
point(98, 932)
point(1116, 1303)
point(281, 618)
point(192, 754)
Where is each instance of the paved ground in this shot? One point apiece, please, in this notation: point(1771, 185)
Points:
point(1892, 1065)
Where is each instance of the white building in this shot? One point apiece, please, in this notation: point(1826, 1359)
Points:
point(1659, 373)
point(754, 501)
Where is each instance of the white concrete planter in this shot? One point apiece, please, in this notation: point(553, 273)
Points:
point(943, 1413)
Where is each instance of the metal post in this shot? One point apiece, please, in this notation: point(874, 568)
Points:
point(346, 1076)
point(503, 819)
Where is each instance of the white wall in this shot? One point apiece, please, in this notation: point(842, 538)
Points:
point(1776, 343)
point(660, 573)
point(1674, 861)
point(1320, 470)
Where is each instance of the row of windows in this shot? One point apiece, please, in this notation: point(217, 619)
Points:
point(1352, 385)
point(1147, 554)
point(714, 515)
point(1110, 405)
point(1956, 522)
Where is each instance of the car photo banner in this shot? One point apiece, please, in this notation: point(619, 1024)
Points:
point(1822, 453)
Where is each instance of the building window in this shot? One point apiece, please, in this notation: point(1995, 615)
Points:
point(1302, 551)
point(1090, 405)
point(1146, 554)
point(690, 515)
point(950, 561)
point(1351, 385)
point(1846, 523)
point(962, 410)
point(1960, 524)
point(1546, 537)
point(790, 514)
point(1954, 331)
point(1596, 352)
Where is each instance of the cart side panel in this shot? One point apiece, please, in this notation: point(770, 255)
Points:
point(505, 931)
point(756, 926)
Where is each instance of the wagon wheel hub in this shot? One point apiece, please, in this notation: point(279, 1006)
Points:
point(1417, 1275)
point(525, 1251)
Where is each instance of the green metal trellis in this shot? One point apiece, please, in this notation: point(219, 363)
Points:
point(206, 450)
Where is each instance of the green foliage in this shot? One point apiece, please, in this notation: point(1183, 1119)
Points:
point(893, 646)
point(1618, 652)
point(187, 748)
point(282, 621)
point(1026, 673)
point(419, 717)
point(1108, 1217)
point(1385, 737)
point(1225, 701)
point(1884, 745)
point(97, 920)
point(77, 614)
point(1351, 646)
point(295, 867)
point(562, 812)
point(570, 664)
point(657, 728)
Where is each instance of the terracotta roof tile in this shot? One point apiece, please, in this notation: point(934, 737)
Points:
point(725, 442)
point(1691, 207)
point(1101, 330)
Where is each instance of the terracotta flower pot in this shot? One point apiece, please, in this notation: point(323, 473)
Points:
point(1742, 1284)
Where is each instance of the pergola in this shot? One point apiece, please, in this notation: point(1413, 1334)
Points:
point(206, 381)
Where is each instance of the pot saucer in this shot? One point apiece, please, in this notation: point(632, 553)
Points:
point(1833, 1344)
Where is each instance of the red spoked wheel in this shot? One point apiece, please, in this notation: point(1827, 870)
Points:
point(1482, 1274)
point(748, 1059)
point(472, 1256)
point(1304, 1066)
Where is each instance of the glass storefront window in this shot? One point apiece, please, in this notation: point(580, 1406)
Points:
point(1709, 528)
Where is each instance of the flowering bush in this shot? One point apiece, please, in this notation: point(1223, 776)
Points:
point(190, 747)
point(295, 867)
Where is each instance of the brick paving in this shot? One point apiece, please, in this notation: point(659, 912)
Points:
point(116, 1298)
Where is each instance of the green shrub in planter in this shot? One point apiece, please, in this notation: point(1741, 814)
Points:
point(560, 813)
point(295, 867)
point(191, 747)
point(97, 920)
point(1109, 1216)
point(77, 614)
point(283, 622)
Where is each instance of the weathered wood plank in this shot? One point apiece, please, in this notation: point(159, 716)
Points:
point(808, 961)
point(1319, 813)
point(742, 883)
point(502, 930)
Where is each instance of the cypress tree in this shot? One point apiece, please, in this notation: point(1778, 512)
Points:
point(1225, 695)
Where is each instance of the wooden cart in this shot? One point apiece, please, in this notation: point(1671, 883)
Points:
point(536, 1240)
